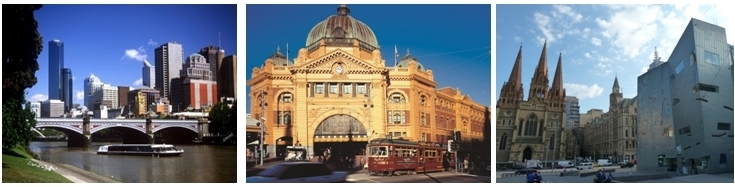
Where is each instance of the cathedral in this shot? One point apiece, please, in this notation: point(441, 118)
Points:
point(531, 129)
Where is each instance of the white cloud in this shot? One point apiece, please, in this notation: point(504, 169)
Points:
point(582, 91)
point(138, 82)
point(587, 55)
point(596, 41)
point(80, 95)
point(38, 97)
point(644, 69)
point(73, 78)
point(517, 38)
point(566, 10)
point(557, 24)
point(152, 43)
point(136, 54)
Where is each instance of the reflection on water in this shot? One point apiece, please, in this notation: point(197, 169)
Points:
point(199, 163)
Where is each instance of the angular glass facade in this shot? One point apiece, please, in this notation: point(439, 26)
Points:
point(687, 121)
point(55, 63)
point(67, 91)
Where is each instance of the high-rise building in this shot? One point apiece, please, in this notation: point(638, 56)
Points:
point(122, 97)
point(52, 108)
point(195, 88)
point(572, 112)
point(55, 63)
point(196, 67)
point(169, 60)
point(91, 85)
point(107, 95)
point(686, 109)
point(67, 91)
point(149, 74)
point(227, 80)
point(214, 56)
point(139, 99)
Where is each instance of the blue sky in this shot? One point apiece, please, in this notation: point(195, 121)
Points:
point(452, 40)
point(596, 41)
point(110, 41)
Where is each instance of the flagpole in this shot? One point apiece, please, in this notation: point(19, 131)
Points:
point(395, 58)
point(287, 52)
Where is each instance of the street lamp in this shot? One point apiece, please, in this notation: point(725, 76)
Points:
point(263, 104)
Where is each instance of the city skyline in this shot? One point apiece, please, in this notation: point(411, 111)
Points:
point(459, 58)
point(596, 42)
point(111, 41)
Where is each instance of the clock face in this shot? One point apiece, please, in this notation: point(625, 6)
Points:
point(508, 113)
point(339, 69)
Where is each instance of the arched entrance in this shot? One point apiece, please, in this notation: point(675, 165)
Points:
point(344, 134)
point(282, 144)
point(527, 154)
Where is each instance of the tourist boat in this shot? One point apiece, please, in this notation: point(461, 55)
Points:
point(140, 149)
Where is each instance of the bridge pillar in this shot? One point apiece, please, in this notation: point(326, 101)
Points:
point(203, 127)
point(149, 130)
point(85, 140)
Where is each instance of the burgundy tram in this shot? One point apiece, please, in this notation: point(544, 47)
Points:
point(398, 156)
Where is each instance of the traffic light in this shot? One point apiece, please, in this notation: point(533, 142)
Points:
point(450, 146)
point(458, 136)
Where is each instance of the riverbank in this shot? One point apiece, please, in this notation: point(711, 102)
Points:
point(18, 167)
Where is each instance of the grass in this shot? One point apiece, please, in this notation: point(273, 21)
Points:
point(17, 168)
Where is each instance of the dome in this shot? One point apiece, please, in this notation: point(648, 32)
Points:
point(342, 26)
point(279, 59)
point(407, 59)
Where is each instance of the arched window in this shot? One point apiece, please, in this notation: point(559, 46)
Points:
point(423, 118)
point(396, 118)
point(287, 119)
point(531, 125)
point(397, 98)
point(552, 142)
point(423, 100)
point(285, 97)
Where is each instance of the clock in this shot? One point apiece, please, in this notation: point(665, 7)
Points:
point(555, 116)
point(508, 113)
point(339, 69)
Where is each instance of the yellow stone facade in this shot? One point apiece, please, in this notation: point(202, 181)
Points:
point(344, 82)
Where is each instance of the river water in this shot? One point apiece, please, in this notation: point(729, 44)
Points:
point(199, 163)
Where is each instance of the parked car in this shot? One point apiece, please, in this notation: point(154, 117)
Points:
point(525, 171)
point(518, 167)
point(596, 164)
point(584, 166)
point(626, 164)
point(298, 172)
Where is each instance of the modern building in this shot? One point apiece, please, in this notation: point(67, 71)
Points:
point(55, 64)
point(122, 98)
point(227, 77)
point(149, 74)
point(106, 95)
point(613, 134)
point(35, 108)
point(169, 60)
point(67, 89)
point(196, 67)
point(91, 85)
point(572, 109)
point(687, 106)
point(52, 108)
point(339, 93)
point(139, 99)
point(214, 56)
point(193, 93)
point(656, 60)
point(532, 129)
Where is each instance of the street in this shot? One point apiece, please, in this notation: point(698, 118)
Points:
point(553, 176)
point(436, 177)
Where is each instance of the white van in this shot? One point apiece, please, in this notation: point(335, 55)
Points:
point(566, 164)
point(583, 166)
point(604, 162)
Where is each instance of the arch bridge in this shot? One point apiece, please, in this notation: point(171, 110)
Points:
point(80, 130)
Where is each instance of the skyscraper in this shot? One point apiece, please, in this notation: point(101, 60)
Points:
point(195, 87)
point(169, 59)
point(55, 63)
point(214, 56)
point(67, 91)
point(227, 80)
point(91, 85)
point(149, 74)
point(572, 112)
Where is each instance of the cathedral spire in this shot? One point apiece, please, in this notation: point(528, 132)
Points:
point(557, 87)
point(540, 79)
point(515, 75)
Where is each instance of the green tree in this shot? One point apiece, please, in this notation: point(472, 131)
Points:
point(22, 44)
point(220, 116)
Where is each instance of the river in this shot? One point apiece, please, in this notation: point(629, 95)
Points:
point(199, 163)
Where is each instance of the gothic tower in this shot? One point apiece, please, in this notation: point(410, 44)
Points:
point(557, 94)
point(511, 94)
point(540, 80)
point(616, 96)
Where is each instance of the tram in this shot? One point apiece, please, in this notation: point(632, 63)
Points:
point(402, 157)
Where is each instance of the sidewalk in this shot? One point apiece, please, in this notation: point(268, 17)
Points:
point(77, 175)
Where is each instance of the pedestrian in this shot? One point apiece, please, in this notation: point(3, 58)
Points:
point(608, 177)
point(537, 178)
point(599, 176)
point(529, 177)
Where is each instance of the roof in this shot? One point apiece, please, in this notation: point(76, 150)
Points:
point(342, 25)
